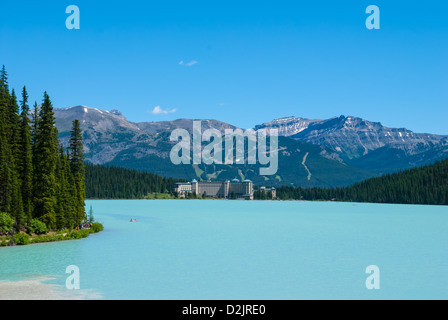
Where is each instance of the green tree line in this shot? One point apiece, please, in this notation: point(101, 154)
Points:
point(110, 182)
point(424, 185)
point(39, 179)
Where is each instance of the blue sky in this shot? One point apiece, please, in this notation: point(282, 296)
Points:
point(242, 62)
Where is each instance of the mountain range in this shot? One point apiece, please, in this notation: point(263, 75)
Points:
point(323, 153)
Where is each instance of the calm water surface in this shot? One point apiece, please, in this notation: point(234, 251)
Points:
point(248, 250)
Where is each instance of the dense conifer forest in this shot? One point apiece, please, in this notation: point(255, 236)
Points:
point(424, 185)
point(41, 182)
point(109, 182)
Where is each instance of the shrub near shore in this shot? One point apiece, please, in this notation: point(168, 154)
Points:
point(24, 239)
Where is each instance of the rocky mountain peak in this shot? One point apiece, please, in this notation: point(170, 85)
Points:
point(286, 126)
point(109, 136)
point(118, 113)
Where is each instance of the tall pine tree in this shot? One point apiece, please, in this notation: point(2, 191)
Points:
point(78, 169)
point(25, 163)
point(5, 153)
point(4, 78)
point(15, 195)
point(62, 191)
point(45, 153)
point(71, 209)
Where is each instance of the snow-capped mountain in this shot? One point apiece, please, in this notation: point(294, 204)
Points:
point(354, 138)
point(332, 152)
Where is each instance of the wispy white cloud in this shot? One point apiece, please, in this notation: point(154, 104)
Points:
point(188, 64)
point(159, 110)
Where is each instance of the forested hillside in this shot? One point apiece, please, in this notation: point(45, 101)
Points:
point(425, 185)
point(109, 182)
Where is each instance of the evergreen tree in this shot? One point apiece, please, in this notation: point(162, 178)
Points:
point(78, 170)
point(71, 209)
point(91, 219)
point(5, 154)
point(4, 78)
point(25, 157)
point(63, 195)
point(34, 122)
point(34, 127)
point(13, 125)
point(14, 189)
point(45, 155)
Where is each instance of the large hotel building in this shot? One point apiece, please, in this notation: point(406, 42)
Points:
point(226, 189)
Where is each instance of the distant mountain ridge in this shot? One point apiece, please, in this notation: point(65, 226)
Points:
point(287, 126)
point(108, 133)
point(333, 152)
point(356, 139)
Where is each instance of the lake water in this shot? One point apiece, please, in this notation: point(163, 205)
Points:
point(196, 249)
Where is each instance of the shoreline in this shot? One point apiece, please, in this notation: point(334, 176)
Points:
point(21, 239)
point(272, 200)
point(37, 289)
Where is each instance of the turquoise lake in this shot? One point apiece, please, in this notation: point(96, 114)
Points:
point(196, 249)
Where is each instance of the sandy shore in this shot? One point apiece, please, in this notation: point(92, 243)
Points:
point(35, 289)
